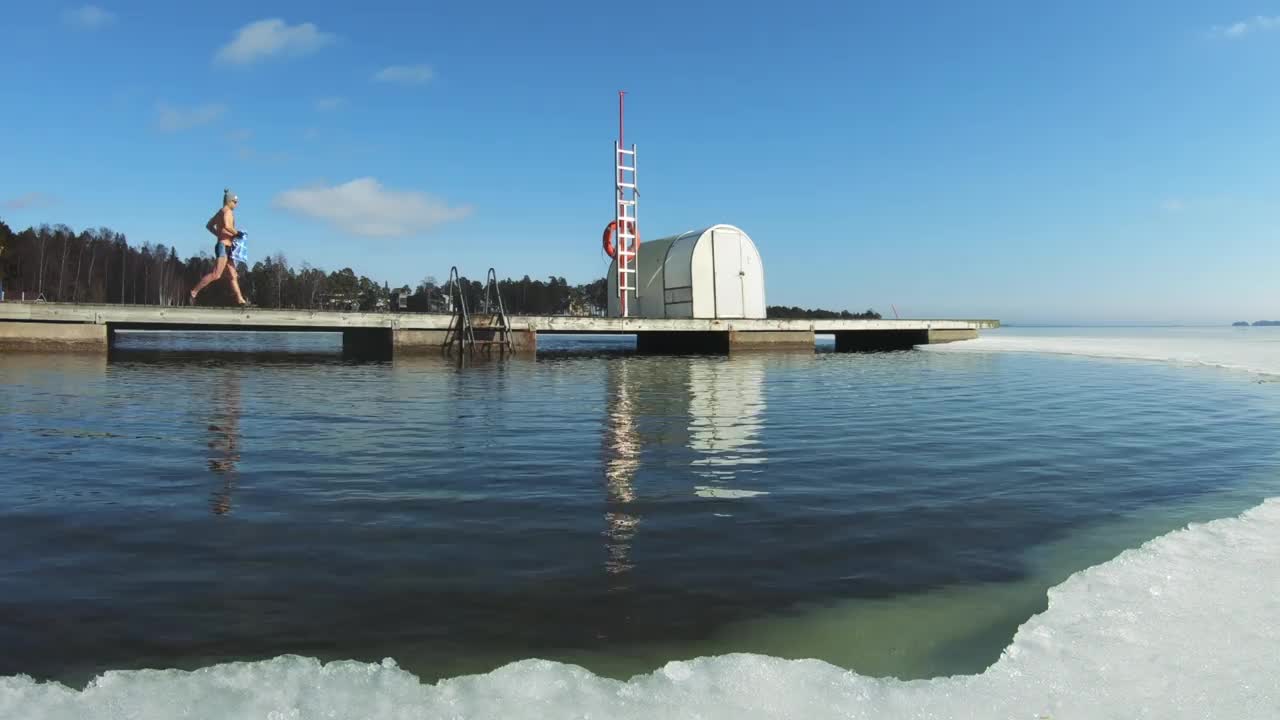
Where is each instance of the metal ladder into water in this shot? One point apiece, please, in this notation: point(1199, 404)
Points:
point(487, 329)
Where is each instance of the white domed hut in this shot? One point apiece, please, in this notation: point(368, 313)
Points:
point(715, 272)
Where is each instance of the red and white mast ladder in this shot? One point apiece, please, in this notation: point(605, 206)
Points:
point(628, 239)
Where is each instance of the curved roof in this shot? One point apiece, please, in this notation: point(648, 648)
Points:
point(664, 244)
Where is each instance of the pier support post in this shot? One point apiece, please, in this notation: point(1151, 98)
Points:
point(524, 342)
point(771, 340)
point(878, 340)
point(53, 337)
point(418, 342)
point(721, 342)
point(367, 343)
point(680, 342)
point(946, 336)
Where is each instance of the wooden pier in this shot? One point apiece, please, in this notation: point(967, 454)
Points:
point(54, 327)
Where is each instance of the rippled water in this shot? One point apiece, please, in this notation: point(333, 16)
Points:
point(896, 513)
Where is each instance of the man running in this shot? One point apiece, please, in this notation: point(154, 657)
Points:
point(223, 227)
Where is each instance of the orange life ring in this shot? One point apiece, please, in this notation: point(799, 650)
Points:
point(608, 237)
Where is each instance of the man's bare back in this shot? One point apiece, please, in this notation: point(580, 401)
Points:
point(223, 224)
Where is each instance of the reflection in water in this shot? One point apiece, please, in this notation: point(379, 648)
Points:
point(712, 407)
point(224, 440)
point(621, 459)
point(726, 406)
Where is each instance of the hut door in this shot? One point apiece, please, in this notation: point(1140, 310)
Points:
point(726, 256)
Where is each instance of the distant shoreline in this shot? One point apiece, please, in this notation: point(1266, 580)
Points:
point(1258, 323)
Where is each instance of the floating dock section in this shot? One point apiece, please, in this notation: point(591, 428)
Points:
point(52, 327)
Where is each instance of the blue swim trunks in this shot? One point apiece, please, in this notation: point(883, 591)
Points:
point(220, 250)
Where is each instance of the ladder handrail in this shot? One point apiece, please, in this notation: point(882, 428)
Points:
point(491, 285)
point(462, 334)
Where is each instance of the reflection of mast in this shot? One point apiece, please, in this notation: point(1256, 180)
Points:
point(621, 459)
point(224, 441)
point(726, 401)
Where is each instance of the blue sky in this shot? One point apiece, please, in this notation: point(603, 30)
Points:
point(1060, 162)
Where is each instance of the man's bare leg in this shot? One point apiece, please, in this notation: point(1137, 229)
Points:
point(219, 266)
point(235, 284)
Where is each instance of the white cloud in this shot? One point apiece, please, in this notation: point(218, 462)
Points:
point(274, 36)
point(172, 119)
point(1173, 205)
point(29, 201)
point(89, 17)
point(364, 207)
point(330, 103)
point(1257, 23)
point(405, 74)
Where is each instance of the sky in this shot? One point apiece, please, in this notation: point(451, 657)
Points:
point(1058, 162)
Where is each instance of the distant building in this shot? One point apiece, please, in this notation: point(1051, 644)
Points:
point(339, 301)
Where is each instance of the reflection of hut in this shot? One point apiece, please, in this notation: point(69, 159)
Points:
point(726, 402)
point(715, 272)
point(713, 408)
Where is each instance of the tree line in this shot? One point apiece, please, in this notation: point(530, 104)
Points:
point(57, 264)
point(794, 313)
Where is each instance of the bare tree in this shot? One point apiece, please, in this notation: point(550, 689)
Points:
point(67, 236)
point(93, 255)
point(279, 270)
point(75, 281)
point(146, 272)
point(314, 279)
point(43, 236)
point(160, 257)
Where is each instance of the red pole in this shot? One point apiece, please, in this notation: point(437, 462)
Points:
point(618, 160)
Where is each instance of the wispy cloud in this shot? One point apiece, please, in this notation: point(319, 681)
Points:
point(173, 119)
point(364, 207)
point(29, 201)
point(273, 36)
point(249, 154)
point(405, 74)
point(326, 104)
point(1173, 205)
point(1258, 23)
point(89, 17)
point(240, 141)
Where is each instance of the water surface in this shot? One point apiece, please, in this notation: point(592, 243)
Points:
point(201, 498)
